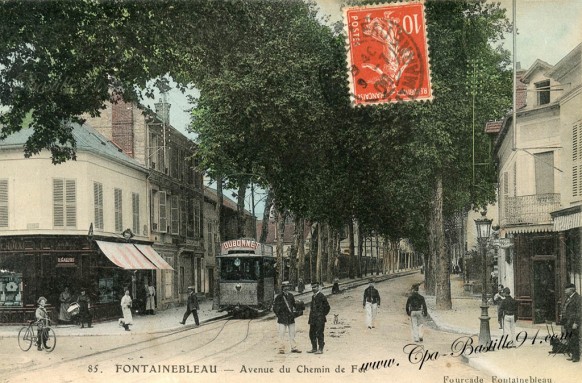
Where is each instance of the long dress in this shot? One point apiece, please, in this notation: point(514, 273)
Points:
point(65, 298)
point(150, 301)
point(126, 310)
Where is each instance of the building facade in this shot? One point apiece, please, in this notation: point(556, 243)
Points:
point(174, 193)
point(538, 181)
point(61, 226)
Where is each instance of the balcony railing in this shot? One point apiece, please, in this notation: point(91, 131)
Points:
point(529, 209)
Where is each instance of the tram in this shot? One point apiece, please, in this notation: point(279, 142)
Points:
point(247, 277)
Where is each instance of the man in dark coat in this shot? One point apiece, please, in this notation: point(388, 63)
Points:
point(319, 309)
point(85, 315)
point(571, 321)
point(284, 307)
point(371, 303)
point(191, 307)
point(416, 309)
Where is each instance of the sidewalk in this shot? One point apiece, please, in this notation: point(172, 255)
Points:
point(168, 320)
point(530, 359)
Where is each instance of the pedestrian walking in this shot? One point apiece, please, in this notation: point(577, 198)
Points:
point(371, 304)
point(416, 309)
point(508, 309)
point(335, 289)
point(571, 321)
point(84, 303)
point(126, 304)
point(319, 309)
point(284, 308)
point(42, 319)
point(150, 299)
point(192, 306)
point(65, 299)
point(497, 299)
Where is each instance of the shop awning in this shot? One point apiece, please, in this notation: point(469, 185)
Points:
point(154, 257)
point(529, 229)
point(125, 255)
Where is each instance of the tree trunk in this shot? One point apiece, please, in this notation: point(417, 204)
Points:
point(319, 253)
point(293, 253)
point(443, 275)
point(352, 255)
point(280, 230)
point(240, 210)
point(266, 217)
point(300, 249)
point(330, 253)
point(221, 234)
point(360, 247)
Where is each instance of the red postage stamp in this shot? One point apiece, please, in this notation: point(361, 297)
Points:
point(388, 53)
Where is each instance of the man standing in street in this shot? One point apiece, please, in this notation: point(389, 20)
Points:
point(416, 309)
point(191, 307)
point(508, 308)
point(319, 309)
point(371, 304)
point(571, 321)
point(284, 308)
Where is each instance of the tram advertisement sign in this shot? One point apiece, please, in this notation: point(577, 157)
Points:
point(388, 53)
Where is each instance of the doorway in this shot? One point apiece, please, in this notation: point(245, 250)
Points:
point(544, 290)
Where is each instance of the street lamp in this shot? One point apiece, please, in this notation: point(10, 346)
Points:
point(483, 225)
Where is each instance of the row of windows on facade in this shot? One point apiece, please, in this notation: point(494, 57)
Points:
point(176, 215)
point(544, 168)
point(173, 161)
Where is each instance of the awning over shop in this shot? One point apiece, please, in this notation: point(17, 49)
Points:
point(568, 218)
point(529, 229)
point(154, 257)
point(125, 255)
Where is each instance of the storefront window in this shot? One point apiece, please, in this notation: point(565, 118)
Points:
point(106, 290)
point(10, 288)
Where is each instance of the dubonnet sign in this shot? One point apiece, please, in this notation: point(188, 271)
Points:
point(388, 53)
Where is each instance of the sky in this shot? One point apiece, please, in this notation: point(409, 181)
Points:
point(547, 30)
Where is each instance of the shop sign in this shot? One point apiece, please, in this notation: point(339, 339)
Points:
point(66, 262)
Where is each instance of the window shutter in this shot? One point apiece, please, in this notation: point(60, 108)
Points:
point(58, 203)
point(98, 202)
point(163, 213)
point(175, 212)
point(3, 203)
point(576, 158)
point(117, 195)
point(135, 211)
point(71, 203)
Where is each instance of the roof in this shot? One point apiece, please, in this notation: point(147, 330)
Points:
point(566, 63)
point(227, 202)
point(538, 65)
point(87, 139)
point(493, 126)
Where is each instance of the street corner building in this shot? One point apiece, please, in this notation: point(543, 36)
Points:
point(127, 213)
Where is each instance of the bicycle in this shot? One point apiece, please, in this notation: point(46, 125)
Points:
point(28, 334)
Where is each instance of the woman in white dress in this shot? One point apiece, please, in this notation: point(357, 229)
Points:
point(127, 319)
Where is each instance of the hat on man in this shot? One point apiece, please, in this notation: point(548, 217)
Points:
point(41, 299)
point(371, 280)
point(415, 287)
point(314, 285)
point(190, 287)
point(506, 290)
point(285, 284)
point(570, 286)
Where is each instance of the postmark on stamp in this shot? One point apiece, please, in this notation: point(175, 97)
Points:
point(388, 53)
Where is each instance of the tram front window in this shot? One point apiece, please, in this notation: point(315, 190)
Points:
point(235, 269)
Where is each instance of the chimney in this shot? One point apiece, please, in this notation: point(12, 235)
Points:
point(163, 111)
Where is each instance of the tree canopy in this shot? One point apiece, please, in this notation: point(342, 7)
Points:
point(274, 103)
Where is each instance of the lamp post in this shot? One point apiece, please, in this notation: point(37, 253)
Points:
point(483, 225)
